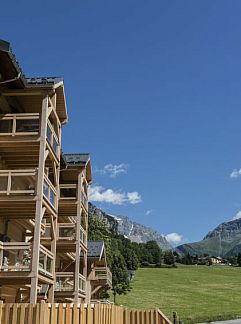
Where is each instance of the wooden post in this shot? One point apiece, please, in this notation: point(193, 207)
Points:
point(77, 249)
point(39, 203)
point(175, 319)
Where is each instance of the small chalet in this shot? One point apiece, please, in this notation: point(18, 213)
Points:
point(99, 277)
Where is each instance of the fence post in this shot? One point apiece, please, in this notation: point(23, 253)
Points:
point(175, 319)
point(1, 310)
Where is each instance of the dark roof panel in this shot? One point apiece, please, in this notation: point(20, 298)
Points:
point(43, 80)
point(4, 46)
point(95, 248)
point(76, 159)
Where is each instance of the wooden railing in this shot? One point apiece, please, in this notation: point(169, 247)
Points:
point(18, 181)
point(82, 283)
point(68, 191)
point(83, 236)
point(46, 258)
point(103, 273)
point(16, 256)
point(49, 191)
point(65, 231)
point(52, 138)
point(44, 313)
point(84, 200)
point(65, 282)
point(19, 124)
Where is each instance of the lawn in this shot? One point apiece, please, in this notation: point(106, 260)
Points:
point(196, 293)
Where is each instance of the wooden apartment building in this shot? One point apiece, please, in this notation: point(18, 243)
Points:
point(43, 192)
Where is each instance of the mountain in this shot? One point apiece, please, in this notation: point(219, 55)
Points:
point(224, 240)
point(124, 226)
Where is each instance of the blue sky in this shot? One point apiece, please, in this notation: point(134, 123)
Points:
point(154, 94)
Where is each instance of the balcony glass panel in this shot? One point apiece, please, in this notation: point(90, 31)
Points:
point(16, 258)
point(66, 232)
point(46, 189)
point(45, 261)
point(25, 183)
point(55, 145)
point(41, 260)
point(68, 193)
point(27, 125)
point(64, 282)
point(6, 126)
point(52, 197)
point(49, 134)
point(47, 232)
point(81, 283)
point(49, 265)
point(83, 236)
point(3, 183)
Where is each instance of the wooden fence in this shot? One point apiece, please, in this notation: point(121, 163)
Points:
point(45, 313)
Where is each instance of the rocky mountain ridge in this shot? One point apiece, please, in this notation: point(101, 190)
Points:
point(133, 231)
point(224, 240)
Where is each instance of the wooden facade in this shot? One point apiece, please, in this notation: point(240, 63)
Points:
point(99, 276)
point(43, 193)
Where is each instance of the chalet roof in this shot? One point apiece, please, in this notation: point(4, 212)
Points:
point(9, 67)
point(78, 159)
point(95, 249)
point(12, 77)
point(43, 80)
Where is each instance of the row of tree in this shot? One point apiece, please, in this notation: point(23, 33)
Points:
point(123, 256)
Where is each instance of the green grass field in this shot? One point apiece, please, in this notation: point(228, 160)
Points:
point(197, 294)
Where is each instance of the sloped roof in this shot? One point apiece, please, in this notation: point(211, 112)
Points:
point(77, 159)
point(12, 77)
point(95, 249)
point(43, 80)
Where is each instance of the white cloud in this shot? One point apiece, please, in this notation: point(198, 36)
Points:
point(134, 197)
point(237, 216)
point(100, 194)
point(148, 212)
point(235, 173)
point(113, 170)
point(174, 238)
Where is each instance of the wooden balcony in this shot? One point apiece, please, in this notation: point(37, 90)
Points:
point(68, 232)
point(65, 283)
point(18, 182)
point(103, 274)
point(19, 125)
point(68, 193)
point(66, 236)
point(15, 260)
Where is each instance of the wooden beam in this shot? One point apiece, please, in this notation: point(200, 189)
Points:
point(39, 203)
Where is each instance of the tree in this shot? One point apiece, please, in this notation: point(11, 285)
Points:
point(153, 248)
point(169, 258)
point(239, 259)
point(177, 257)
point(120, 281)
point(232, 260)
point(187, 259)
point(131, 259)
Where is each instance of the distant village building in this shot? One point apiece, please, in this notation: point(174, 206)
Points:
point(216, 260)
